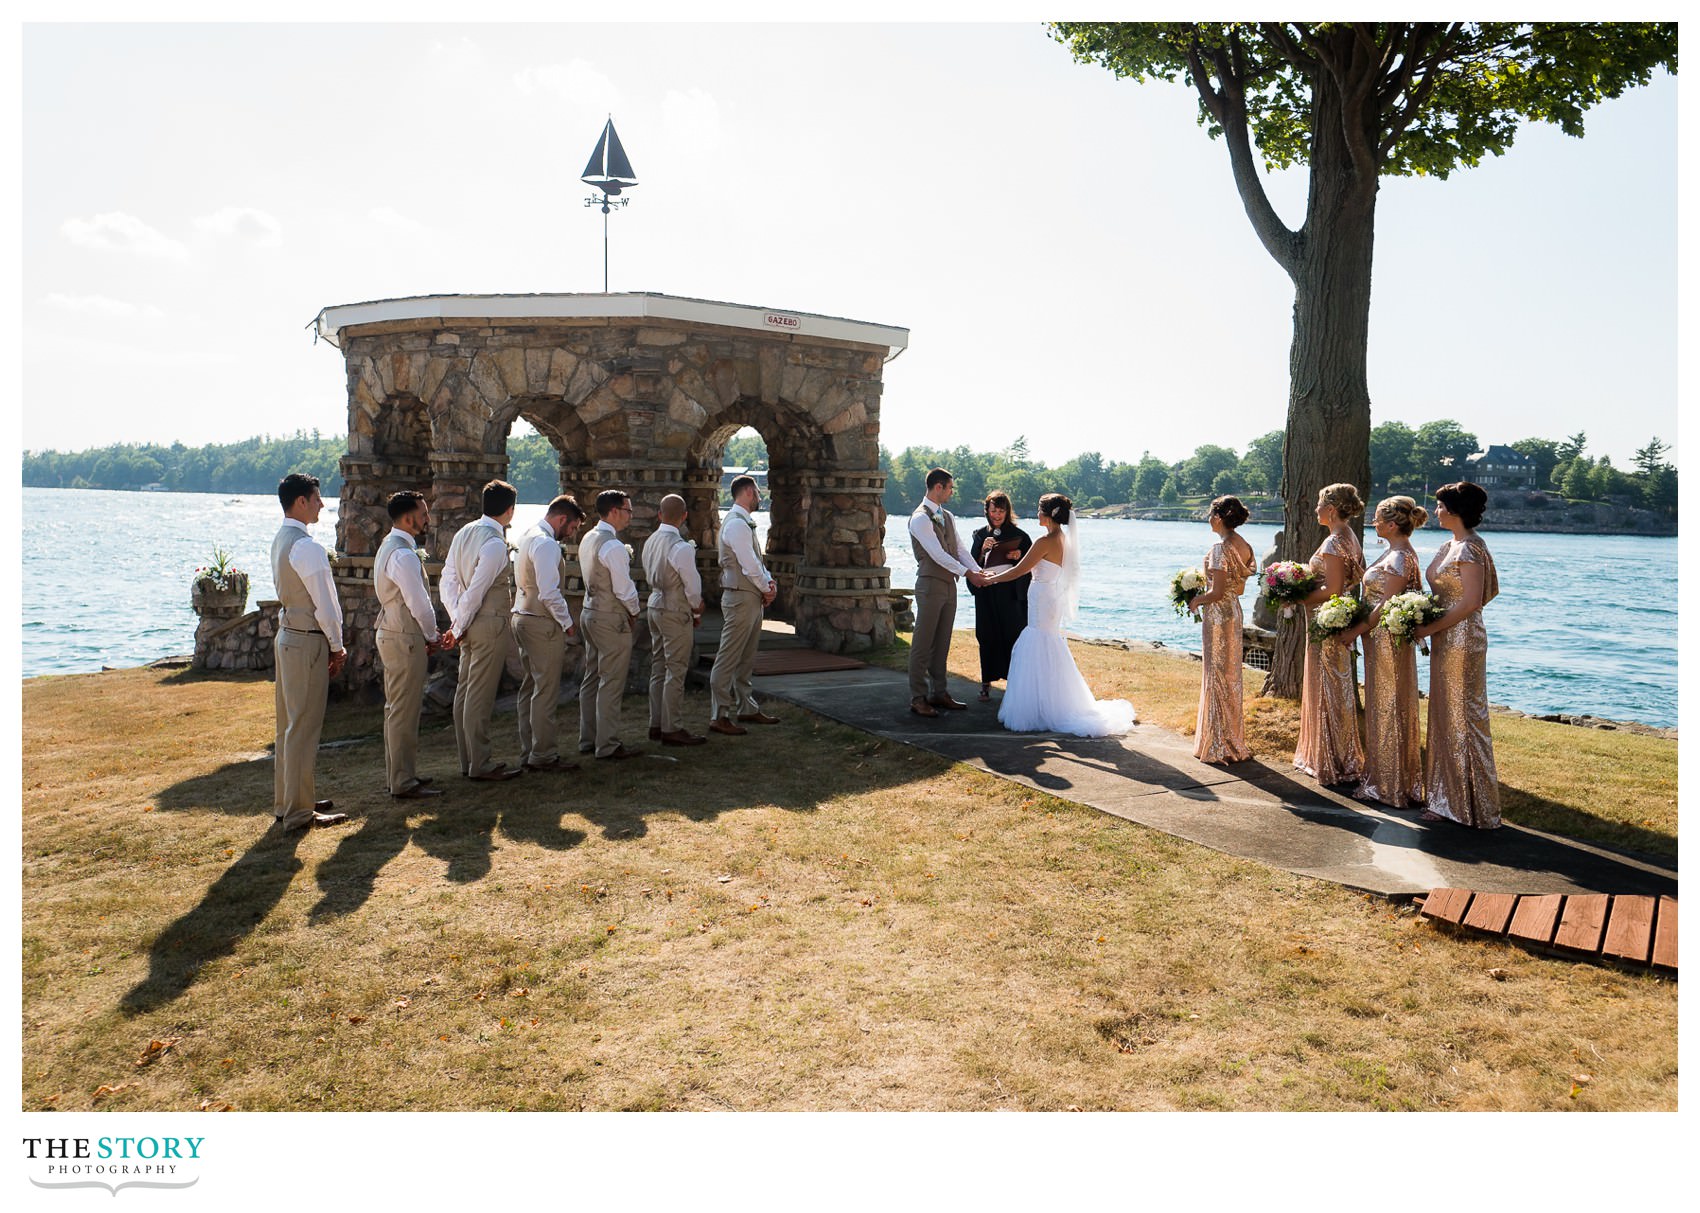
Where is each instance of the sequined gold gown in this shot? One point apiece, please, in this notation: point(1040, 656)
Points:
point(1221, 700)
point(1393, 753)
point(1463, 783)
point(1329, 746)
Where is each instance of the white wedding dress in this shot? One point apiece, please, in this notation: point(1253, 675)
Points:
point(1045, 690)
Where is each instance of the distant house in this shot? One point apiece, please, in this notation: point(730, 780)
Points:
point(1500, 467)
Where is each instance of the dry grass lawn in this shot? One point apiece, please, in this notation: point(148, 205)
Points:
point(802, 918)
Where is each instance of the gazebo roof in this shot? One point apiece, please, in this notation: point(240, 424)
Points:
point(637, 305)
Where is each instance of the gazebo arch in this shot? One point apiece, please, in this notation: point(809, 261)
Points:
point(636, 392)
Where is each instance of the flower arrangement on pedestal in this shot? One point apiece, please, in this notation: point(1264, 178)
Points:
point(219, 586)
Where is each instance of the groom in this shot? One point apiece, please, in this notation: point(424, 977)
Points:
point(932, 533)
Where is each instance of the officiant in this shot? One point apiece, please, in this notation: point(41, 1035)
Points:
point(1000, 611)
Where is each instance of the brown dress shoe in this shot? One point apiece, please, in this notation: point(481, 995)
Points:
point(417, 792)
point(619, 751)
point(324, 806)
point(921, 707)
point(496, 775)
point(654, 733)
point(722, 725)
point(945, 701)
point(757, 718)
point(554, 764)
point(682, 737)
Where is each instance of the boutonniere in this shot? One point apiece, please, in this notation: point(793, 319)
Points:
point(630, 555)
point(690, 543)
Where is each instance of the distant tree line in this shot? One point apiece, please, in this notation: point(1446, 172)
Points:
point(1402, 460)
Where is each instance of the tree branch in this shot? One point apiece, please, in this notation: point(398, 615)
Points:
point(1428, 64)
point(1282, 40)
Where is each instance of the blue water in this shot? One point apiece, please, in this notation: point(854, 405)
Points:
point(1583, 623)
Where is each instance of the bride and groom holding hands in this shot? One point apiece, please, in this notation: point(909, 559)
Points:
point(1045, 692)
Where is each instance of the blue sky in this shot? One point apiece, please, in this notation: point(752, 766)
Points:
point(1067, 249)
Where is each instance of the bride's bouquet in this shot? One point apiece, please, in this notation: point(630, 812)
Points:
point(1288, 583)
point(1184, 586)
point(1336, 615)
point(1403, 614)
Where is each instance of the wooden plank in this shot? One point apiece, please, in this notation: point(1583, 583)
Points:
point(1448, 905)
point(1629, 934)
point(1536, 919)
point(1584, 923)
point(1664, 937)
point(1491, 912)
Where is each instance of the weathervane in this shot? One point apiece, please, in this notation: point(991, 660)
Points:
point(610, 172)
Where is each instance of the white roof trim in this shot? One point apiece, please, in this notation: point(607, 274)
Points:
point(634, 306)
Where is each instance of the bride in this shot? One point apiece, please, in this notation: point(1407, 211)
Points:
point(1045, 690)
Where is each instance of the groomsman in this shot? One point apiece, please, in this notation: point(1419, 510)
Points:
point(745, 588)
point(309, 654)
point(675, 610)
point(475, 592)
point(542, 624)
point(407, 636)
point(938, 563)
point(610, 611)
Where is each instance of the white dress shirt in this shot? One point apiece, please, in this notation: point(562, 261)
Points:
point(683, 558)
point(407, 572)
point(543, 550)
point(926, 534)
point(618, 562)
point(739, 533)
point(462, 602)
point(311, 564)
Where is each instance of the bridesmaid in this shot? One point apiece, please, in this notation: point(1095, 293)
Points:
point(1463, 784)
point(1393, 753)
point(1221, 700)
point(1329, 747)
point(1000, 610)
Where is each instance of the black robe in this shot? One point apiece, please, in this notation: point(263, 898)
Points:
point(1000, 611)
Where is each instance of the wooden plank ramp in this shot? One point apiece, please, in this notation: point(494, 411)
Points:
point(1625, 929)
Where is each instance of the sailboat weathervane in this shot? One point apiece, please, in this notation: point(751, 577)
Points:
point(610, 172)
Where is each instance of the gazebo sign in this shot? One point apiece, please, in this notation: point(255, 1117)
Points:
point(777, 321)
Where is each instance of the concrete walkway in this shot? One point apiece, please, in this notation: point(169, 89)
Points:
point(1256, 810)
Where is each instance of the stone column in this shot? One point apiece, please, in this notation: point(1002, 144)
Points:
point(843, 587)
point(457, 493)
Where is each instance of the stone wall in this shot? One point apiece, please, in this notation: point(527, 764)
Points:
point(240, 643)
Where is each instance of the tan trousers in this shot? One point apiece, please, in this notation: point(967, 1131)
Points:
point(670, 647)
point(607, 660)
point(405, 662)
point(929, 647)
point(734, 662)
point(542, 652)
point(303, 682)
point(483, 653)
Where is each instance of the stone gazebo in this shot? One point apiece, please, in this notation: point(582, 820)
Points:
point(639, 392)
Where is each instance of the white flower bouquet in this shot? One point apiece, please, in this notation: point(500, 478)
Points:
point(1335, 616)
point(1184, 586)
point(1403, 614)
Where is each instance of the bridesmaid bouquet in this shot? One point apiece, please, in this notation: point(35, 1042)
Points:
point(1184, 586)
point(1336, 615)
point(1287, 583)
point(1403, 614)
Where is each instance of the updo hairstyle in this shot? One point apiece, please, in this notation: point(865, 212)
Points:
point(1464, 498)
point(1231, 510)
point(1345, 500)
point(1402, 512)
point(1056, 507)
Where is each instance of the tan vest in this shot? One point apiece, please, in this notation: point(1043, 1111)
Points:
point(667, 588)
point(463, 554)
point(925, 565)
point(526, 601)
point(393, 615)
point(598, 581)
point(297, 613)
point(732, 575)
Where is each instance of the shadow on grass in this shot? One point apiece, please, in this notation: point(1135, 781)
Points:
point(1553, 817)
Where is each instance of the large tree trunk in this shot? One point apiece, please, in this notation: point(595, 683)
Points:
point(1328, 409)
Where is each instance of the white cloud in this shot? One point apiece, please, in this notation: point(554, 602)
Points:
point(387, 216)
point(462, 57)
point(120, 232)
point(692, 119)
point(243, 223)
point(577, 82)
point(102, 305)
